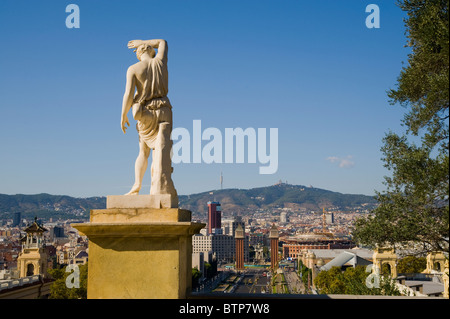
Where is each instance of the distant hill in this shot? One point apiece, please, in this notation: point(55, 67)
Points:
point(278, 195)
point(297, 197)
point(46, 205)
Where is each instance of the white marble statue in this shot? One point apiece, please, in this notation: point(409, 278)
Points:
point(146, 95)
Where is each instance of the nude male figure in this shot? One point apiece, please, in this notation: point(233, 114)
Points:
point(146, 94)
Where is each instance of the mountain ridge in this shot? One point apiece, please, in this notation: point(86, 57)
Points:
point(297, 197)
point(235, 200)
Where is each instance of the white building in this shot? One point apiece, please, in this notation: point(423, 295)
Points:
point(229, 226)
point(224, 246)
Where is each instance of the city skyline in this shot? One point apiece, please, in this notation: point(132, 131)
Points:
point(313, 70)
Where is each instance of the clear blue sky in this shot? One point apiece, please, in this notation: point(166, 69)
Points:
point(312, 69)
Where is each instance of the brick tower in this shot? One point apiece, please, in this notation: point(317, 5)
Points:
point(239, 236)
point(273, 235)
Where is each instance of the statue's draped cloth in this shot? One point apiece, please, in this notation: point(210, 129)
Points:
point(151, 105)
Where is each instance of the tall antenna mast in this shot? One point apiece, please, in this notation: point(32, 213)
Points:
point(221, 181)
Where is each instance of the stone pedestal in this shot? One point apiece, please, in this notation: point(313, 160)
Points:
point(139, 252)
point(142, 201)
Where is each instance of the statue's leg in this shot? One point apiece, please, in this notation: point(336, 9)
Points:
point(161, 162)
point(140, 167)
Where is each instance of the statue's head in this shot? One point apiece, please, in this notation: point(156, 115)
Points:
point(143, 48)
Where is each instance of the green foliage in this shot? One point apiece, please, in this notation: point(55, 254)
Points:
point(266, 251)
point(210, 269)
point(304, 272)
point(196, 274)
point(59, 289)
point(411, 264)
point(414, 208)
point(352, 281)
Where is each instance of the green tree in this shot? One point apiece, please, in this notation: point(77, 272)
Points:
point(414, 207)
point(59, 289)
point(352, 281)
point(304, 272)
point(355, 281)
point(411, 264)
point(330, 281)
point(196, 274)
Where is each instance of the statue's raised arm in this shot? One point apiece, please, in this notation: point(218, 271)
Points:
point(159, 44)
